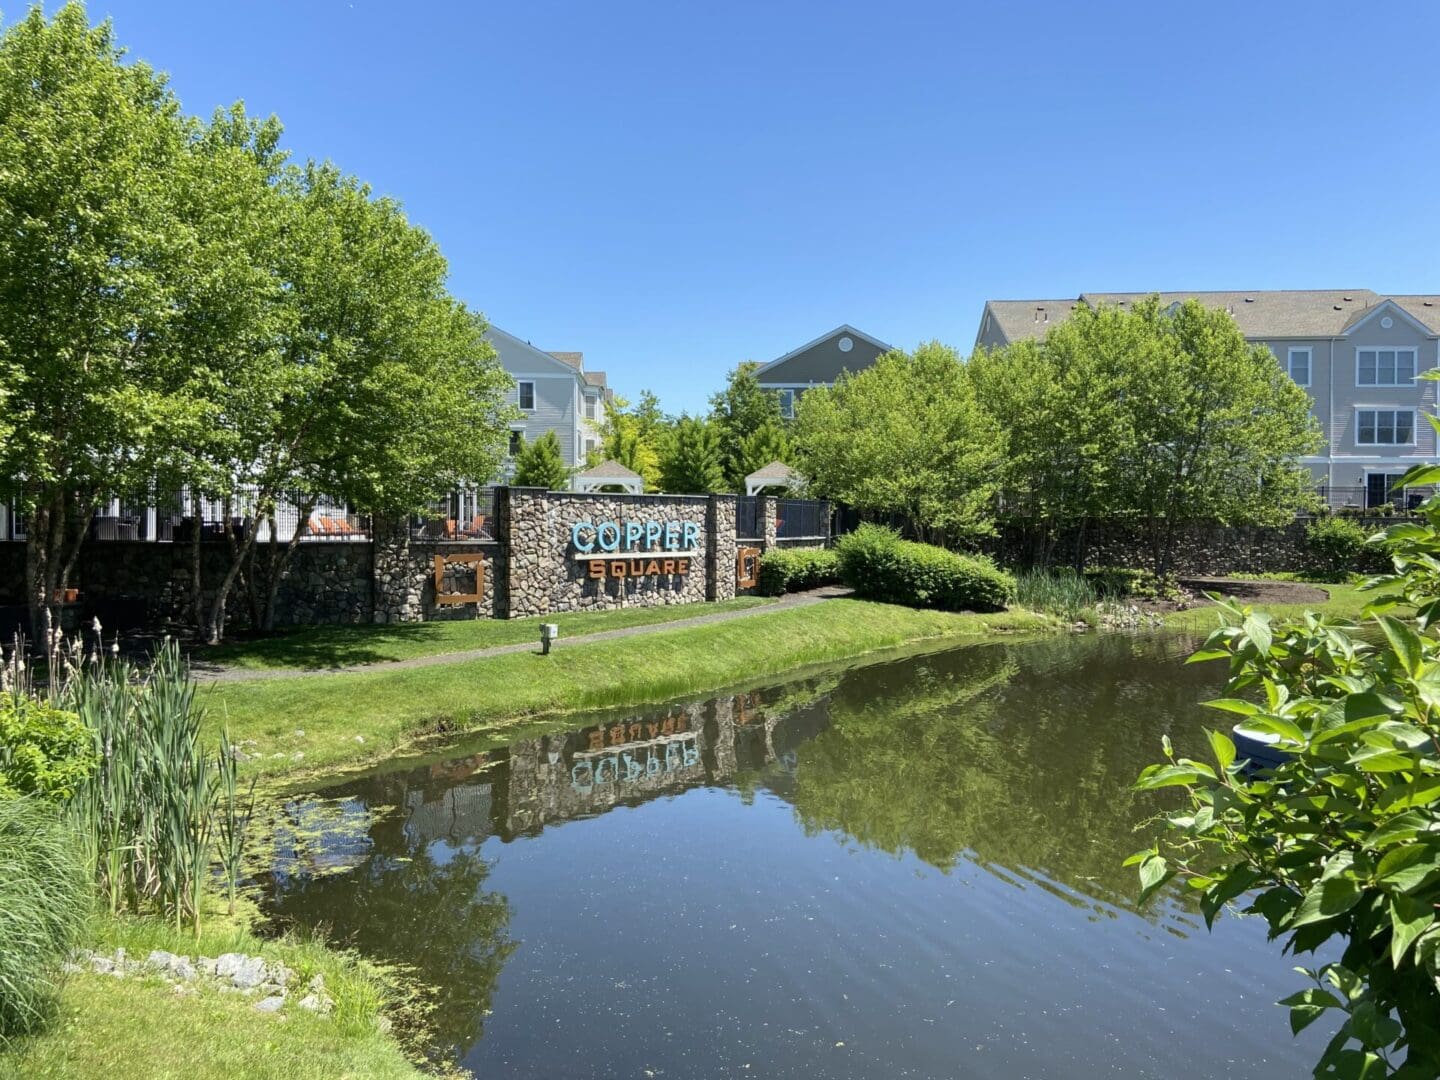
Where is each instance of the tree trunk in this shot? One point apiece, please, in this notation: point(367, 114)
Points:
point(280, 561)
point(197, 584)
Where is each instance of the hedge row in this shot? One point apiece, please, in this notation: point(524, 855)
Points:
point(876, 563)
point(786, 570)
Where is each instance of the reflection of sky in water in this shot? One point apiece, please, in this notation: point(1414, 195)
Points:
point(761, 909)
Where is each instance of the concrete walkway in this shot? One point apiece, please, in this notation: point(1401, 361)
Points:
point(794, 600)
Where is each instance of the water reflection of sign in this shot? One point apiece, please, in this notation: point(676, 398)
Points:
point(446, 562)
point(627, 753)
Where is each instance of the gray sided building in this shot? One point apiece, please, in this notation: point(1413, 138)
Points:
point(1355, 352)
point(818, 363)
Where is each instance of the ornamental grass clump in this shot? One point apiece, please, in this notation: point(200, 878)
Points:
point(44, 901)
point(1338, 844)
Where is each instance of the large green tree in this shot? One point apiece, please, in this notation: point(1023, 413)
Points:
point(96, 263)
point(1181, 419)
point(691, 462)
point(737, 412)
point(632, 437)
point(540, 464)
point(768, 443)
point(908, 437)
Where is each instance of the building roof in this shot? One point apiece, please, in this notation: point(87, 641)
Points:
point(611, 470)
point(776, 470)
point(594, 378)
point(843, 328)
point(574, 359)
point(1300, 313)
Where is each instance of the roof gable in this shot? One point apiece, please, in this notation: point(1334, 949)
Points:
point(522, 358)
point(1388, 305)
point(822, 360)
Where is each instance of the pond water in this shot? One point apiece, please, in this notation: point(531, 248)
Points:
point(907, 869)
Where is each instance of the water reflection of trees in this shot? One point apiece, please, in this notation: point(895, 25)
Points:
point(420, 905)
point(1021, 758)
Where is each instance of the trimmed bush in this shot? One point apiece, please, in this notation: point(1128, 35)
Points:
point(876, 563)
point(43, 750)
point(1337, 547)
point(44, 902)
point(785, 570)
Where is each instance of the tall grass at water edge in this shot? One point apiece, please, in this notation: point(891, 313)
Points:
point(160, 812)
point(1061, 592)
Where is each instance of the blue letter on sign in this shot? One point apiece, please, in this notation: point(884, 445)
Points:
point(692, 535)
point(582, 526)
point(672, 536)
point(613, 531)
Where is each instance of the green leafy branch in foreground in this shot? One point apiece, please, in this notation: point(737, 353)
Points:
point(1340, 842)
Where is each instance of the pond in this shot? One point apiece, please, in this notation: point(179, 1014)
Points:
point(905, 869)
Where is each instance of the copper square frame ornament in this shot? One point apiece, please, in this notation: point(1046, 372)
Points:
point(474, 559)
point(747, 567)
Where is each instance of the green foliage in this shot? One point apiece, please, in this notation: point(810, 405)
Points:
point(1150, 415)
point(739, 412)
point(539, 464)
point(44, 900)
point(1060, 592)
point(786, 570)
point(905, 436)
point(1342, 839)
point(632, 438)
point(876, 563)
point(766, 444)
point(1336, 547)
point(690, 463)
point(44, 750)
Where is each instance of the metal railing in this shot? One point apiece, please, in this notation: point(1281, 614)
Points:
point(467, 514)
point(797, 519)
point(748, 525)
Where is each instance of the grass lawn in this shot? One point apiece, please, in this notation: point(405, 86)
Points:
point(140, 1028)
point(1345, 602)
point(312, 722)
point(344, 646)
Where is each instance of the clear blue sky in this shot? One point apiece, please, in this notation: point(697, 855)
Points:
point(675, 187)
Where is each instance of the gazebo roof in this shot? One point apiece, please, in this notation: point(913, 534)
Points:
point(610, 470)
point(776, 470)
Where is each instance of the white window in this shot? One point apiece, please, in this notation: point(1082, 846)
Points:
point(527, 395)
point(517, 441)
point(787, 404)
point(589, 408)
point(1384, 367)
point(1299, 365)
point(1385, 427)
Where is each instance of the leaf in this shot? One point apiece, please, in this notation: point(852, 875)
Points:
point(1266, 724)
point(1409, 918)
point(1400, 828)
point(1405, 869)
point(1405, 643)
point(1234, 705)
point(1159, 776)
point(1307, 1006)
point(1421, 792)
point(1325, 900)
point(1257, 629)
point(1202, 655)
point(1377, 759)
point(1224, 748)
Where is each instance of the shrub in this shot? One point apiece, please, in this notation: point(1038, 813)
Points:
point(44, 750)
point(876, 563)
point(1336, 547)
point(44, 901)
point(784, 570)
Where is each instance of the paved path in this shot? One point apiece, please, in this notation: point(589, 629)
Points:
point(794, 600)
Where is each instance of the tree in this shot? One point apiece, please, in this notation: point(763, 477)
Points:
point(631, 438)
point(1181, 419)
point(905, 436)
point(539, 464)
point(377, 388)
point(94, 263)
point(737, 412)
point(767, 443)
point(691, 463)
point(1339, 841)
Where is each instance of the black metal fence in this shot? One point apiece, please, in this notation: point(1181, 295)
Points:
point(172, 518)
point(748, 525)
point(466, 514)
point(1377, 495)
point(802, 519)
